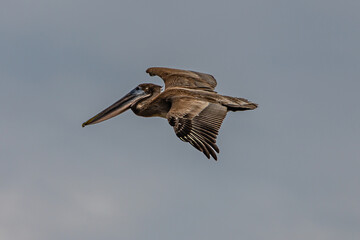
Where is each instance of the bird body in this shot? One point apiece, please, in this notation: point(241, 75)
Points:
point(189, 103)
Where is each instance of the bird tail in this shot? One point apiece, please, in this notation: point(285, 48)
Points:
point(238, 104)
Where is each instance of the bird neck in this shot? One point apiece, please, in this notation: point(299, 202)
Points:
point(143, 107)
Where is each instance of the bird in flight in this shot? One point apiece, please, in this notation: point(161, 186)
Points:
point(188, 102)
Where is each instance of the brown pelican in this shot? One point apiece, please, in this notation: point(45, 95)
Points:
point(189, 103)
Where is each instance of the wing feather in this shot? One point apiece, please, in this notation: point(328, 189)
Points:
point(198, 123)
point(184, 78)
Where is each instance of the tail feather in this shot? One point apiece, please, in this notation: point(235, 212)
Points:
point(238, 104)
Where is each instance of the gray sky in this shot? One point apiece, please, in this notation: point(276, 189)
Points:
point(288, 170)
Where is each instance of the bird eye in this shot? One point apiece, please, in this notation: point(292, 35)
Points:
point(137, 88)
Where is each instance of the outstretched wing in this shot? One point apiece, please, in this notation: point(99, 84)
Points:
point(183, 78)
point(197, 122)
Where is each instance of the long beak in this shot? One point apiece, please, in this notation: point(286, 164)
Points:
point(119, 107)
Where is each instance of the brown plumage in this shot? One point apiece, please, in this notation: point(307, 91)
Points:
point(189, 103)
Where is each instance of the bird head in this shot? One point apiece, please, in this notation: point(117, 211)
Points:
point(139, 93)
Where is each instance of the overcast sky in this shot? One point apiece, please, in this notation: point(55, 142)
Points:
point(287, 170)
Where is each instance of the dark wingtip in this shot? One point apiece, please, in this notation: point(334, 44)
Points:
point(149, 71)
point(83, 125)
point(207, 154)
